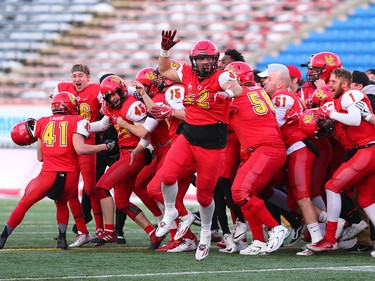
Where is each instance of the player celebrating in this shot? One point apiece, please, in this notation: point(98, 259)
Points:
point(60, 138)
point(203, 137)
point(89, 98)
point(266, 154)
point(358, 138)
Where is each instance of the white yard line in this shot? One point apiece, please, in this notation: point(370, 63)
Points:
point(200, 273)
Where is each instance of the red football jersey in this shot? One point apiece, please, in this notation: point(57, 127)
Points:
point(355, 135)
point(200, 107)
point(253, 119)
point(56, 132)
point(132, 111)
point(89, 100)
point(160, 135)
point(282, 101)
point(174, 97)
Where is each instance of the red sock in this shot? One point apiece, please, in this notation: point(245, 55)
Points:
point(149, 229)
point(331, 231)
point(109, 227)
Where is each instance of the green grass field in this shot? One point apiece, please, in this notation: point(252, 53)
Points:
point(30, 255)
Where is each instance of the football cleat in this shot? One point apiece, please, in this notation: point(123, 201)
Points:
point(242, 244)
point(81, 239)
point(104, 237)
point(276, 237)
point(239, 231)
point(305, 252)
point(204, 245)
point(120, 239)
point(221, 244)
point(296, 235)
point(322, 246)
point(186, 245)
point(2, 242)
point(184, 225)
point(352, 231)
point(231, 247)
point(255, 248)
point(360, 249)
point(170, 245)
point(61, 243)
point(169, 217)
point(340, 228)
point(155, 241)
point(373, 254)
point(347, 244)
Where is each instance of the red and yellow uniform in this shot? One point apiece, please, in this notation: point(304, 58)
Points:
point(253, 121)
point(55, 135)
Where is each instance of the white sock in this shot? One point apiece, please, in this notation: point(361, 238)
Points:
point(206, 216)
point(333, 205)
point(169, 195)
point(315, 233)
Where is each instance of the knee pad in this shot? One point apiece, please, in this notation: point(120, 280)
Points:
point(204, 201)
point(169, 180)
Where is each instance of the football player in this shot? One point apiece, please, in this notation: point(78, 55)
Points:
point(204, 134)
point(61, 137)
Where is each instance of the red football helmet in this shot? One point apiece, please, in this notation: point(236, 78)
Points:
point(321, 65)
point(204, 49)
point(151, 79)
point(320, 96)
point(113, 84)
point(243, 71)
point(22, 133)
point(316, 125)
point(65, 103)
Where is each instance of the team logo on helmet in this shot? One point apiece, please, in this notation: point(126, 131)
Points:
point(316, 125)
point(330, 60)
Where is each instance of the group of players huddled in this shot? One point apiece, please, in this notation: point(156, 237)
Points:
point(259, 143)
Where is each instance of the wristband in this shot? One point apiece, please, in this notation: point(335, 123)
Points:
point(368, 117)
point(164, 53)
point(230, 93)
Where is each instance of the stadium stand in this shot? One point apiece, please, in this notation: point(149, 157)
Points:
point(351, 37)
point(40, 39)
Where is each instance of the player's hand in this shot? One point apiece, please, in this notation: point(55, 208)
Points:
point(167, 39)
point(291, 116)
point(221, 97)
point(110, 144)
point(326, 109)
point(121, 122)
point(365, 112)
point(320, 83)
point(163, 111)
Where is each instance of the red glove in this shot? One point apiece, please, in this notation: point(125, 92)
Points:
point(326, 109)
point(163, 111)
point(221, 97)
point(291, 116)
point(167, 38)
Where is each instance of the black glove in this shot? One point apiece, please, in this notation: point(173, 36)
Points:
point(110, 144)
point(167, 38)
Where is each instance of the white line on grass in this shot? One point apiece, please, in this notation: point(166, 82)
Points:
point(368, 268)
